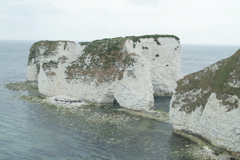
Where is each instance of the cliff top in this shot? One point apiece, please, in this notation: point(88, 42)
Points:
point(222, 78)
point(49, 46)
point(112, 44)
point(109, 60)
point(133, 38)
point(103, 57)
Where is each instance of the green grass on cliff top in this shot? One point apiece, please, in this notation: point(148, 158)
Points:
point(208, 82)
point(134, 38)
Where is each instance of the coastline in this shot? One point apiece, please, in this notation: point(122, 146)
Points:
point(201, 150)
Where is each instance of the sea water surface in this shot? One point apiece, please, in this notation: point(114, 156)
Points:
point(30, 131)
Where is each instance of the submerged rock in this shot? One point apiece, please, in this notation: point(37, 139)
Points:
point(23, 86)
point(206, 104)
point(129, 70)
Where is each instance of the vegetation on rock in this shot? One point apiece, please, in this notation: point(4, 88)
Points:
point(84, 43)
point(23, 86)
point(155, 37)
point(48, 66)
point(213, 79)
point(106, 59)
point(49, 47)
point(103, 59)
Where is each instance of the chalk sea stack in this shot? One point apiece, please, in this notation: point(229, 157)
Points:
point(206, 104)
point(131, 70)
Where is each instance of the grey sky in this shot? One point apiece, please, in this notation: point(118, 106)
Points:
point(194, 21)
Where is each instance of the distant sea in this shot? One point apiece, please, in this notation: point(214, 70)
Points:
point(30, 131)
point(197, 57)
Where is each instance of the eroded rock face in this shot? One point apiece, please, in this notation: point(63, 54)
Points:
point(207, 104)
point(130, 70)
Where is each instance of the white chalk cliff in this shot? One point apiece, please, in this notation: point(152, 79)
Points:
point(130, 70)
point(206, 104)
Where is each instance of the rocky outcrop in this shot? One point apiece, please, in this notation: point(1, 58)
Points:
point(206, 104)
point(130, 70)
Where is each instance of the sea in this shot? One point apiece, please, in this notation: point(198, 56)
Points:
point(30, 131)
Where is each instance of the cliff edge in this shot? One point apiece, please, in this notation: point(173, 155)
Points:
point(130, 70)
point(206, 104)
